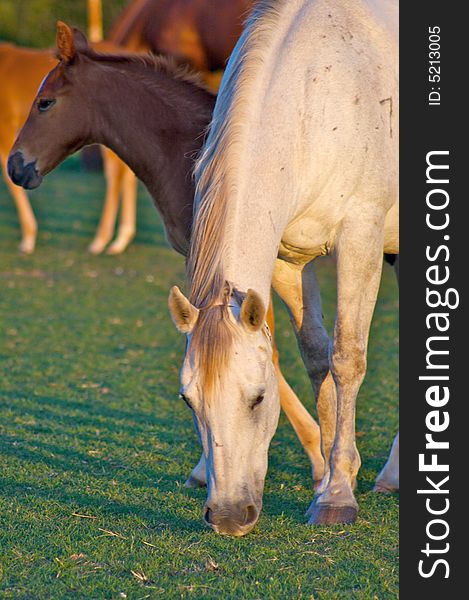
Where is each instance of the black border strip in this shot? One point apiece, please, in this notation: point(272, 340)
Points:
point(425, 128)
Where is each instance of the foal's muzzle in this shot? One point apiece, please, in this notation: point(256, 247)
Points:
point(22, 174)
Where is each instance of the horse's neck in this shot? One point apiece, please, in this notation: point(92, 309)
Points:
point(253, 241)
point(158, 139)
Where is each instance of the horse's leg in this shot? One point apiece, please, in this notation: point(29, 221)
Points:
point(302, 422)
point(299, 289)
point(359, 248)
point(388, 480)
point(198, 476)
point(128, 216)
point(113, 170)
point(26, 216)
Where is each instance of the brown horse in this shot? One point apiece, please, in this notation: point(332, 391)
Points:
point(201, 33)
point(21, 72)
point(153, 115)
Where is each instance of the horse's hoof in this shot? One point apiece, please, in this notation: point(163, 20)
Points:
point(316, 484)
point(121, 243)
point(27, 246)
point(325, 514)
point(385, 488)
point(193, 482)
point(115, 249)
point(96, 247)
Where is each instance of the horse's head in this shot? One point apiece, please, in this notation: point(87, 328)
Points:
point(228, 381)
point(57, 123)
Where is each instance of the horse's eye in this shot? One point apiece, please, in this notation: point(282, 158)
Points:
point(45, 104)
point(257, 401)
point(185, 400)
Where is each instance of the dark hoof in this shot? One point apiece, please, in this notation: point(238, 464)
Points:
point(383, 488)
point(193, 482)
point(325, 514)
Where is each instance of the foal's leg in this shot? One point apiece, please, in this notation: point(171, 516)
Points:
point(26, 217)
point(359, 247)
point(113, 170)
point(388, 480)
point(128, 217)
point(299, 289)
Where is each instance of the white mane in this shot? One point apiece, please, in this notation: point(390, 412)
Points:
point(214, 171)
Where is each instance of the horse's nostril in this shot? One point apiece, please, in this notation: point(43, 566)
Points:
point(15, 166)
point(250, 515)
point(208, 516)
point(23, 174)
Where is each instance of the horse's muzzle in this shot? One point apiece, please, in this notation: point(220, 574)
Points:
point(236, 520)
point(22, 174)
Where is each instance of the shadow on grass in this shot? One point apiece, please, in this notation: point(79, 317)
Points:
point(163, 442)
point(75, 500)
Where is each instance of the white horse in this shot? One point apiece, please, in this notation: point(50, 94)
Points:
point(301, 161)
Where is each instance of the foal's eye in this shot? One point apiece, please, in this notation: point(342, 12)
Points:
point(45, 104)
point(257, 401)
point(185, 400)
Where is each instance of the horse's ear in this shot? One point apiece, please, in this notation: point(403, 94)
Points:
point(182, 312)
point(79, 38)
point(65, 42)
point(252, 311)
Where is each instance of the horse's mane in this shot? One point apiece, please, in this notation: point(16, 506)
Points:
point(212, 340)
point(217, 163)
point(214, 334)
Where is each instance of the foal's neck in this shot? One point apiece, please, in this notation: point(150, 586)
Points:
point(155, 121)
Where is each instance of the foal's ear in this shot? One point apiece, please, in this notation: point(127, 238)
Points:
point(79, 38)
point(65, 42)
point(182, 312)
point(252, 311)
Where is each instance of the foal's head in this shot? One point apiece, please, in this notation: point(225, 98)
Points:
point(228, 382)
point(58, 123)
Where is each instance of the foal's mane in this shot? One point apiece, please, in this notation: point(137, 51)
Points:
point(144, 62)
point(214, 333)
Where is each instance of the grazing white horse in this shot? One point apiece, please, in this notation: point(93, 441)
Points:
point(301, 161)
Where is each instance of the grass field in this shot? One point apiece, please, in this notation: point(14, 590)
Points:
point(91, 425)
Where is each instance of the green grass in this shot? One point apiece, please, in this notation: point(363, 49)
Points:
point(91, 424)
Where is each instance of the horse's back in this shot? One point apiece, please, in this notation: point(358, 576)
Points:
point(24, 68)
point(201, 33)
point(334, 76)
point(21, 72)
point(351, 105)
